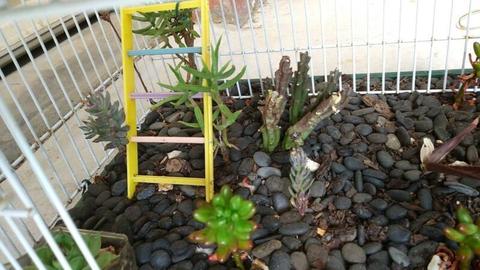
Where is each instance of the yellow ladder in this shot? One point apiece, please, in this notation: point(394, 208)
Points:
point(128, 55)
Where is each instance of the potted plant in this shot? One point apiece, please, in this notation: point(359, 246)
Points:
point(112, 251)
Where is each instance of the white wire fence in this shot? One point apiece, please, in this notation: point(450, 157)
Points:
point(50, 61)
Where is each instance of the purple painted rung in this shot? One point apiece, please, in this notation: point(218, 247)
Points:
point(159, 95)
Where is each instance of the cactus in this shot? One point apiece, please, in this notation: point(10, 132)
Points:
point(299, 91)
point(275, 102)
point(467, 234)
point(228, 225)
point(329, 102)
point(301, 179)
point(106, 121)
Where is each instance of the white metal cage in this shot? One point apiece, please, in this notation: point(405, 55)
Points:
point(53, 53)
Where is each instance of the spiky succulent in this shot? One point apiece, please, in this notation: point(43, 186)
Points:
point(299, 88)
point(301, 179)
point(275, 102)
point(106, 122)
point(328, 103)
point(467, 234)
point(227, 224)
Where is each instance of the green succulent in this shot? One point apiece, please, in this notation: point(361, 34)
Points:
point(274, 106)
point(213, 80)
point(166, 26)
point(299, 88)
point(106, 122)
point(301, 179)
point(227, 224)
point(104, 257)
point(467, 234)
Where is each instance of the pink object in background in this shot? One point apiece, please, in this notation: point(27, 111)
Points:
point(229, 7)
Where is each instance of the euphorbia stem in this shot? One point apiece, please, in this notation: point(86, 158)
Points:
point(238, 261)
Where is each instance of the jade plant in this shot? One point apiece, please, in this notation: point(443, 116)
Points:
point(106, 122)
point(467, 80)
point(213, 80)
point(303, 119)
point(227, 225)
point(467, 235)
point(103, 256)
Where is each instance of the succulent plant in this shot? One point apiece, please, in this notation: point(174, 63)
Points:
point(328, 102)
point(104, 257)
point(167, 26)
point(106, 122)
point(301, 178)
point(213, 80)
point(227, 224)
point(274, 106)
point(467, 80)
point(467, 234)
point(299, 89)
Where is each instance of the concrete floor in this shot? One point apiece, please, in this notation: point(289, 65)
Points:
point(257, 45)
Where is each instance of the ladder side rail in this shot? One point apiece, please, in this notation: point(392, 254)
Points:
point(207, 102)
point(130, 104)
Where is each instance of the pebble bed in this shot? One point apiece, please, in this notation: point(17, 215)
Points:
point(374, 209)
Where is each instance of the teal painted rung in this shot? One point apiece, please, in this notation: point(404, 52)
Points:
point(183, 50)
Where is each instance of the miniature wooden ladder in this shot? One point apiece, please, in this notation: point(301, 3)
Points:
point(128, 55)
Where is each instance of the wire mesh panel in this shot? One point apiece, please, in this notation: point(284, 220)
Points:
point(54, 53)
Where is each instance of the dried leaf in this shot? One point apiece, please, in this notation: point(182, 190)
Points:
point(178, 165)
point(442, 151)
point(434, 263)
point(321, 231)
point(165, 187)
point(174, 154)
point(258, 264)
point(426, 150)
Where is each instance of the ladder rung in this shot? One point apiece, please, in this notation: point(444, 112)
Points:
point(191, 181)
point(163, 7)
point(183, 50)
point(159, 95)
point(153, 139)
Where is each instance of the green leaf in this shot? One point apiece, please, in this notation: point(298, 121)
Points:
point(140, 18)
point(233, 81)
point(463, 215)
point(199, 117)
point(105, 258)
point(45, 254)
point(201, 74)
point(215, 56)
point(230, 120)
point(215, 115)
point(77, 263)
point(228, 73)
point(192, 125)
point(94, 243)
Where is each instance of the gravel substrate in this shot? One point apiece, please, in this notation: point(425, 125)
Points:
point(374, 209)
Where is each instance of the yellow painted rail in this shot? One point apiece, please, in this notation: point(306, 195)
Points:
point(133, 178)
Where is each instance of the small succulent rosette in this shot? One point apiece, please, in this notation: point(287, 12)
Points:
point(467, 234)
point(227, 224)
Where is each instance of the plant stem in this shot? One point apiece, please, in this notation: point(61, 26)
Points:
point(238, 261)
